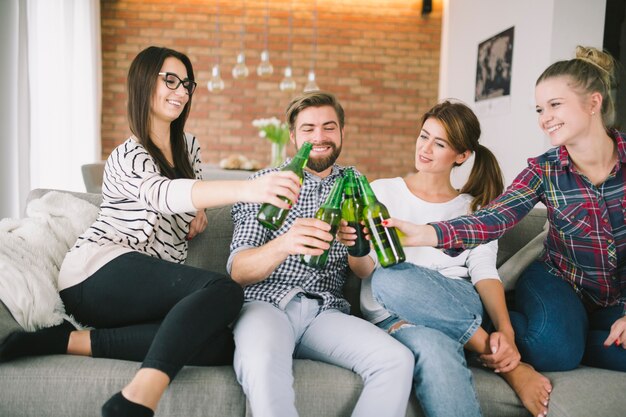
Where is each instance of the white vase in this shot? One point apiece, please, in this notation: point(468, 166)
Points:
point(279, 154)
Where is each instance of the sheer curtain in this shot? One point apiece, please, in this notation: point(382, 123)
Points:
point(64, 72)
point(14, 108)
point(50, 76)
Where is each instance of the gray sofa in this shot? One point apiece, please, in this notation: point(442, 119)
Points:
point(71, 386)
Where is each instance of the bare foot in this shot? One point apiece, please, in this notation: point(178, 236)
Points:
point(532, 388)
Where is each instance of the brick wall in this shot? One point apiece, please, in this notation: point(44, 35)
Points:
point(380, 57)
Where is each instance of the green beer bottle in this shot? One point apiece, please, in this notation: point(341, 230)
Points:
point(385, 239)
point(351, 212)
point(271, 216)
point(330, 212)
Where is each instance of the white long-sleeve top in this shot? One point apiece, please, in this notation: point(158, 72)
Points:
point(475, 265)
point(141, 211)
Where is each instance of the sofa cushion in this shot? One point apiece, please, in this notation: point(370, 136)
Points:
point(210, 249)
point(321, 389)
point(64, 385)
point(8, 324)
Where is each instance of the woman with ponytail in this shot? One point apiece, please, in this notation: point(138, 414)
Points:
point(434, 303)
point(571, 303)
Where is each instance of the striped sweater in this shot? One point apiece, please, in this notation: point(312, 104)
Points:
point(141, 211)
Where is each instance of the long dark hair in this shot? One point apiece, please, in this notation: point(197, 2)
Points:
point(142, 79)
point(463, 130)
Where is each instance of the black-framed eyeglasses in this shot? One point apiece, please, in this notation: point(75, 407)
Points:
point(172, 81)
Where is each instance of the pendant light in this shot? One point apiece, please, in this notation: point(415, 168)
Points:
point(216, 84)
point(240, 70)
point(288, 83)
point(265, 68)
point(311, 85)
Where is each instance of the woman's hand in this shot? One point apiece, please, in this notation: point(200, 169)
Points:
point(197, 225)
point(617, 334)
point(504, 356)
point(412, 234)
point(271, 187)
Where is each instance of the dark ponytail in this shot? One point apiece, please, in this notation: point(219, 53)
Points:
point(485, 180)
point(463, 130)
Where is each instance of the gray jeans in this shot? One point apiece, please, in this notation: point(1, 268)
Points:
point(268, 339)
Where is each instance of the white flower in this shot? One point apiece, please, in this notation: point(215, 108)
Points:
point(272, 129)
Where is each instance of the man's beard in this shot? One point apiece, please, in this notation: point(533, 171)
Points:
point(320, 164)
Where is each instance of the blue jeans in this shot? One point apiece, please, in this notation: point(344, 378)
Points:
point(442, 315)
point(554, 331)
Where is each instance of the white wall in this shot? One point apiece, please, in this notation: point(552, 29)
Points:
point(545, 31)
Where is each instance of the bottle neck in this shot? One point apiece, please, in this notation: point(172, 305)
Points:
point(349, 186)
point(367, 194)
point(300, 161)
point(301, 158)
point(334, 198)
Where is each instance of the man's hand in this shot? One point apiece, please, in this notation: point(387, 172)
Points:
point(346, 234)
point(306, 237)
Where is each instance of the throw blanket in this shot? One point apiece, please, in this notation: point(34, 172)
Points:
point(31, 252)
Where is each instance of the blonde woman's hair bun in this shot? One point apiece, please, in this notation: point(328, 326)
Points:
point(596, 57)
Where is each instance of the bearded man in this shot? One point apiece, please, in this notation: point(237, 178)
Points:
point(292, 310)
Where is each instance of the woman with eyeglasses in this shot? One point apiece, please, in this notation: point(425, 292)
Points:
point(125, 275)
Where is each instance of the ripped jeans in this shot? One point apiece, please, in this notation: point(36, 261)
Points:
point(434, 316)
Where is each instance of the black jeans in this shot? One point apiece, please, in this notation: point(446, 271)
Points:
point(162, 313)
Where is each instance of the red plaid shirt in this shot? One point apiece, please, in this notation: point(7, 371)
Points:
point(586, 243)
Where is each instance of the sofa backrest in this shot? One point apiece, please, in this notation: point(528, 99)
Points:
point(523, 232)
point(210, 249)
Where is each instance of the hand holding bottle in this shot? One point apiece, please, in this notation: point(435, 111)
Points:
point(272, 216)
point(347, 235)
point(385, 239)
point(352, 213)
point(330, 213)
point(276, 188)
point(306, 236)
point(412, 234)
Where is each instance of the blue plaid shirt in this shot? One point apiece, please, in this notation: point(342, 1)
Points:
point(586, 242)
point(292, 275)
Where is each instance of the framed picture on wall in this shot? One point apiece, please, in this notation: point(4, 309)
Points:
point(493, 66)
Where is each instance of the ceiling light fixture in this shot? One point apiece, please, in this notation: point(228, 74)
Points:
point(216, 84)
point(265, 68)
